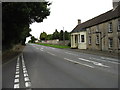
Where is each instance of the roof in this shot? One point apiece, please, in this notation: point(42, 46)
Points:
point(112, 14)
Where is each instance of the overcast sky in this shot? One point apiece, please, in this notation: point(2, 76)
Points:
point(65, 13)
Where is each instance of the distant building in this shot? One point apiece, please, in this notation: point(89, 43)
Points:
point(99, 33)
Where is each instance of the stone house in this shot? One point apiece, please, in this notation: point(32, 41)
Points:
point(100, 33)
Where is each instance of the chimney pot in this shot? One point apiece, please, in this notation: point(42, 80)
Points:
point(79, 21)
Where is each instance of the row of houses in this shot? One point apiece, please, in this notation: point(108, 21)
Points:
point(100, 33)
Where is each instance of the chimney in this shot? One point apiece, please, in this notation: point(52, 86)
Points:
point(79, 21)
point(115, 3)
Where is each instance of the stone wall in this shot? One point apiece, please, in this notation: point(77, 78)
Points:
point(57, 42)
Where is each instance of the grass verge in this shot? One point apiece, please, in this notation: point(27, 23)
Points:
point(51, 45)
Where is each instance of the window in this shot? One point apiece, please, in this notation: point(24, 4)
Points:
point(76, 38)
point(97, 28)
point(82, 38)
point(119, 42)
point(110, 27)
point(79, 37)
point(110, 42)
point(118, 25)
point(97, 39)
point(89, 39)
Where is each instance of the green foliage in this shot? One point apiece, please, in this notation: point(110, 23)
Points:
point(61, 35)
point(55, 46)
point(56, 35)
point(16, 18)
point(33, 39)
point(43, 36)
point(67, 35)
point(49, 37)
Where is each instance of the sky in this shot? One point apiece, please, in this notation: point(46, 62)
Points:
point(65, 13)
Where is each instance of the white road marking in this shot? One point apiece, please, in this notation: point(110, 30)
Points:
point(26, 79)
point(78, 63)
point(16, 85)
point(95, 63)
point(51, 53)
point(41, 50)
point(25, 71)
point(109, 58)
point(71, 53)
point(25, 74)
point(16, 80)
point(17, 72)
point(104, 60)
point(27, 84)
point(16, 76)
point(17, 67)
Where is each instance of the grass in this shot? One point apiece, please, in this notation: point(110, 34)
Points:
point(51, 45)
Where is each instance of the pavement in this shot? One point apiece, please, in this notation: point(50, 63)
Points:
point(47, 67)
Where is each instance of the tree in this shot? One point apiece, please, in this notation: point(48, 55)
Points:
point(33, 39)
point(43, 36)
point(16, 18)
point(56, 34)
point(61, 35)
point(49, 37)
point(67, 35)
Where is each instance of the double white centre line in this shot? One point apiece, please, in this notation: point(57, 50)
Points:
point(26, 78)
point(25, 74)
point(16, 80)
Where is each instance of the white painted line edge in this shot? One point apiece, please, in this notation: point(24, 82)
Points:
point(78, 63)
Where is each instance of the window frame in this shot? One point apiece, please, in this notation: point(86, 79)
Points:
point(118, 42)
point(90, 40)
point(109, 43)
point(118, 25)
point(97, 39)
point(82, 38)
point(110, 27)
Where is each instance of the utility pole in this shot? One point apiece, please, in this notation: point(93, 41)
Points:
point(63, 36)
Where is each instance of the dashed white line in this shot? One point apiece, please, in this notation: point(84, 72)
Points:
point(71, 53)
point(26, 78)
point(95, 63)
point(27, 84)
point(16, 76)
point(51, 53)
point(16, 80)
point(41, 50)
point(78, 63)
point(109, 58)
point(16, 85)
point(104, 60)
point(17, 73)
point(25, 74)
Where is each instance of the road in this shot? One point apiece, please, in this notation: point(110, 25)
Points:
point(46, 67)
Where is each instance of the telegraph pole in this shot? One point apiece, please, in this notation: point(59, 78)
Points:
point(63, 36)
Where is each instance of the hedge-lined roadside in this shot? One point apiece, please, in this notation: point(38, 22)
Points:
point(55, 46)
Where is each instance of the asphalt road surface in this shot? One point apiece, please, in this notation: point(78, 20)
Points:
point(46, 67)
